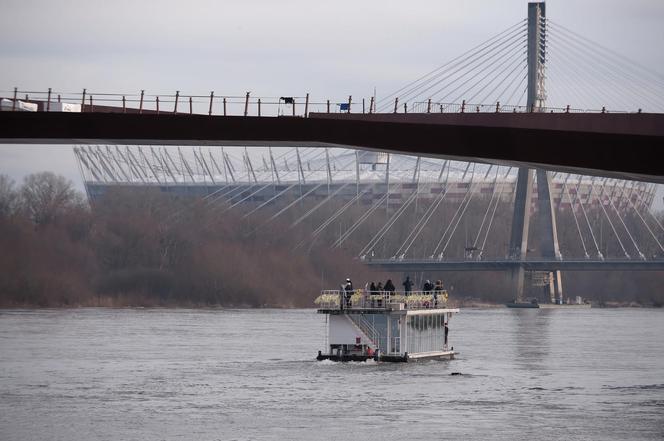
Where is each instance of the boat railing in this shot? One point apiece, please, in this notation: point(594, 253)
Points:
point(368, 328)
point(365, 299)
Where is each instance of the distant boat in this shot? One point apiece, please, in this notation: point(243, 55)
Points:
point(535, 304)
point(522, 305)
point(528, 304)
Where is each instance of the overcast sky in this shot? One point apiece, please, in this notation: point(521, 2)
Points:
point(271, 47)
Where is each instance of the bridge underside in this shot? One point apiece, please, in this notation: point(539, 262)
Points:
point(417, 265)
point(623, 146)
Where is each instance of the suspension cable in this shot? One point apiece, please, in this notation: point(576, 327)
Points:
point(650, 212)
point(585, 215)
point(471, 52)
point(641, 255)
point(386, 227)
point(595, 63)
point(488, 207)
point(449, 239)
point(456, 213)
point(516, 62)
point(476, 61)
point(427, 215)
point(496, 57)
point(359, 221)
point(576, 220)
point(618, 58)
point(493, 214)
point(332, 218)
point(320, 204)
point(642, 219)
point(601, 204)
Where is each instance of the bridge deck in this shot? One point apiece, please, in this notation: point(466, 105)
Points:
point(615, 145)
point(528, 265)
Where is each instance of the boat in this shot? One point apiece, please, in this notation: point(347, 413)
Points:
point(386, 326)
point(532, 303)
point(579, 303)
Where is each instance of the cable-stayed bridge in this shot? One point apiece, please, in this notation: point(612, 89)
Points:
point(520, 99)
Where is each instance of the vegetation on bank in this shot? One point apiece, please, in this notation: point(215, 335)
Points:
point(142, 247)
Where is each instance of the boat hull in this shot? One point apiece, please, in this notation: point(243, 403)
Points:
point(442, 355)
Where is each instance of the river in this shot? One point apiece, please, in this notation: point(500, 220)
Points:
point(167, 374)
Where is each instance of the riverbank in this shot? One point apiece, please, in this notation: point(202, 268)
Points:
point(150, 303)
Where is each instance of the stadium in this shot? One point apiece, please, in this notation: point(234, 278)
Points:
point(256, 175)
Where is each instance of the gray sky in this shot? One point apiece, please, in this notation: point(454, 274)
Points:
point(271, 48)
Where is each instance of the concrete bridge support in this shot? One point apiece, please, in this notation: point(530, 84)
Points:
point(549, 247)
point(548, 240)
point(520, 225)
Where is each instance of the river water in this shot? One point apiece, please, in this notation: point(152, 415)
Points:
point(153, 374)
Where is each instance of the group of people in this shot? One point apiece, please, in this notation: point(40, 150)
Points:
point(373, 288)
point(376, 289)
point(427, 288)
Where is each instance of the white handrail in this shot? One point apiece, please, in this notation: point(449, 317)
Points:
point(364, 299)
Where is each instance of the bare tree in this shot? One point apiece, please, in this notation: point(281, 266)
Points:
point(8, 196)
point(44, 196)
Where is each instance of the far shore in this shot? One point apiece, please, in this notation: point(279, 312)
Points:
point(464, 303)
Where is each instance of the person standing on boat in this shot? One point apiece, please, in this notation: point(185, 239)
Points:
point(373, 290)
point(427, 287)
point(437, 290)
point(348, 291)
point(389, 286)
point(379, 291)
point(408, 285)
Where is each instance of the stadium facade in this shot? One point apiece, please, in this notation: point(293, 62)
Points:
point(263, 175)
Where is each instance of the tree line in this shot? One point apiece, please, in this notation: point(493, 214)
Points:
point(143, 247)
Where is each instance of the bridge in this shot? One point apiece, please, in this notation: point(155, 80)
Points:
point(592, 143)
point(417, 119)
point(540, 265)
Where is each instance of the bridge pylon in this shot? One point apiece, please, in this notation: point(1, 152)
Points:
point(518, 248)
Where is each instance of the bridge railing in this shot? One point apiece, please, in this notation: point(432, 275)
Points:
point(241, 105)
point(381, 300)
point(463, 107)
point(180, 103)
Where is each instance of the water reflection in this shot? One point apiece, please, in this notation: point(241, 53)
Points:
point(531, 337)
